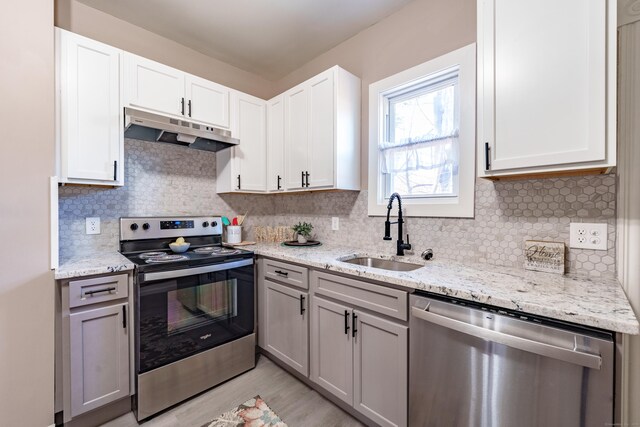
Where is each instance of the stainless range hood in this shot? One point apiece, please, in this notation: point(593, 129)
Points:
point(158, 128)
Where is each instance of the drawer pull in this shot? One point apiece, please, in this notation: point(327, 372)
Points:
point(282, 273)
point(99, 291)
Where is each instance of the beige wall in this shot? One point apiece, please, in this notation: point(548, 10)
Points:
point(628, 210)
point(422, 30)
point(26, 150)
point(95, 24)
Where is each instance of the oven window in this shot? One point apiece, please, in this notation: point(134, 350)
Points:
point(200, 305)
point(184, 316)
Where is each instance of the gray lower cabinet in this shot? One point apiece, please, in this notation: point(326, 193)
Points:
point(99, 352)
point(362, 359)
point(287, 325)
point(380, 367)
point(332, 348)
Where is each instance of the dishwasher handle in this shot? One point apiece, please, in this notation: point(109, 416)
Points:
point(547, 350)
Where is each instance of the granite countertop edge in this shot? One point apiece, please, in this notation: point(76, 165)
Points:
point(598, 302)
point(93, 264)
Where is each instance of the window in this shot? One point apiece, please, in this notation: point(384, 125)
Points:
point(422, 143)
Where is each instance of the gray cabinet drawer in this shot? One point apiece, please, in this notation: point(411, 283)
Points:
point(286, 273)
point(97, 289)
point(388, 301)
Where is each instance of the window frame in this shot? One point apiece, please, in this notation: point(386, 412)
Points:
point(462, 205)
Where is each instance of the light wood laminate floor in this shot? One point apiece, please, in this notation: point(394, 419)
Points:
point(293, 401)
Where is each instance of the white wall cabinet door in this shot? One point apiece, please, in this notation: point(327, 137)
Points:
point(543, 96)
point(250, 155)
point(380, 369)
point(296, 136)
point(322, 138)
point(332, 348)
point(287, 325)
point(89, 117)
point(275, 144)
point(152, 86)
point(99, 349)
point(207, 102)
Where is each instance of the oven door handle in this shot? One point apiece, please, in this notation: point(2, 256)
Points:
point(172, 274)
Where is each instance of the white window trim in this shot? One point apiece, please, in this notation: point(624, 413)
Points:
point(461, 206)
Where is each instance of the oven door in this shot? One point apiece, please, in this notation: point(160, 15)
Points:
point(186, 311)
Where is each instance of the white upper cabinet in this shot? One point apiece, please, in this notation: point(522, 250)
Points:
point(275, 144)
point(546, 86)
point(322, 137)
point(159, 88)
point(89, 121)
point(296, 136)
point(322, 132)
point(207, 102)
point(153, 86)
point(243, 168)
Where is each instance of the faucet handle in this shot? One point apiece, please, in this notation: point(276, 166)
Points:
point(408, 244)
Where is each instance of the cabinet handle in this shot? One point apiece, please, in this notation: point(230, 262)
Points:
point(124, 316)
point(115, 170)
point(189, 103)
point(307, 178)
point(279, 178)
point(238, 182)
point(282, 273)
point(302, 178)
point(302, 309)
point(182, 106)
point(354, 322)
point(346, 322)
point(99, 291)
point(487, 162)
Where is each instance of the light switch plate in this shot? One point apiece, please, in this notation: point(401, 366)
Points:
point(335, 223)
point(92, 225)
point(584, 235)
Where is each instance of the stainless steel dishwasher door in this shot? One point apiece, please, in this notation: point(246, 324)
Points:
point(472, 367)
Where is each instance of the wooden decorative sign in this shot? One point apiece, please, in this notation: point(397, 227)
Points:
point(544, 256)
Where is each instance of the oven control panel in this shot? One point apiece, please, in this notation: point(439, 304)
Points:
point(139, 228)
point(175, 225)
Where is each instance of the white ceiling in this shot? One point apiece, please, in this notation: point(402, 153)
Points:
point(267, 37)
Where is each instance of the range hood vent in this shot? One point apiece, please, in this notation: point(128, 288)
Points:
point(158, 128)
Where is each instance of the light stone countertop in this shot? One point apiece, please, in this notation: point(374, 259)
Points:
point(596, 302)
point(93, 263)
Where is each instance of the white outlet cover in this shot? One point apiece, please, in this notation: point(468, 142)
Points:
point(335, 223)
point(585, 235)
point(92, 225)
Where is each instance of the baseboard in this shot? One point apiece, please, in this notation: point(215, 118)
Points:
point(101, 415)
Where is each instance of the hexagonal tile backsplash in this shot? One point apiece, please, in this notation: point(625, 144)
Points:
point(169, 180)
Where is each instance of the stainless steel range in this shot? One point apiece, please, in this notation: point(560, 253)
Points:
point(194, 317)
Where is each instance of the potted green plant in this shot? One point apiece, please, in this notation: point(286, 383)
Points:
point(303, 230)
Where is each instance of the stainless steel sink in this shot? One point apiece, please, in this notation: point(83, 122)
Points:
point(383, 264)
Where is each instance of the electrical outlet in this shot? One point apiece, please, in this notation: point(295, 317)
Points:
point(92, 225)
point(583, 235)
point(335, 223)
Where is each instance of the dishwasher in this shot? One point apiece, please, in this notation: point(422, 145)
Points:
point(474, 365)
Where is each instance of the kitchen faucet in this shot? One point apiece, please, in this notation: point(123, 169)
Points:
point(402, 246)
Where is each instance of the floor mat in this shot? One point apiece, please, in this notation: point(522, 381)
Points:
point(252, 413)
